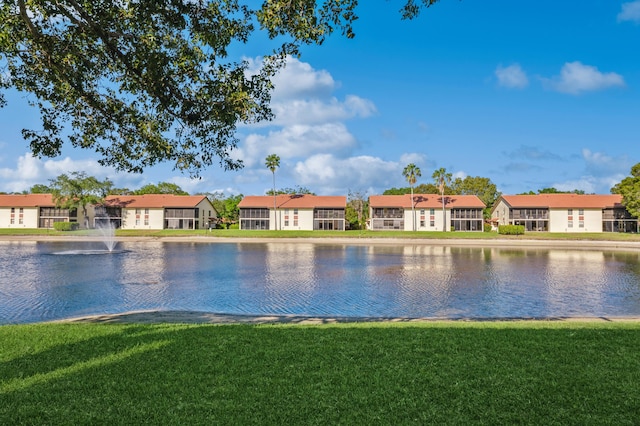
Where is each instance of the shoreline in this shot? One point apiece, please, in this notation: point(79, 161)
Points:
point(477, 243)
point(200, 317)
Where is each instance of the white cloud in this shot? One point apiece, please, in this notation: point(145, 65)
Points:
point(299, 79)
point(512, 77)
point(587, 184)
point(188, 184)
point(576, 78)
point(31, 170)
point(630, 12)
point(296, 141)
point(327, 174)
point(413, 157)
point(600, 164)
point(302, 111)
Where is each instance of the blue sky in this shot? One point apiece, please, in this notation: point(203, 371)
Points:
point(529, 94)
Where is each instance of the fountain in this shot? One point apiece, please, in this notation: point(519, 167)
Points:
point(106, 230)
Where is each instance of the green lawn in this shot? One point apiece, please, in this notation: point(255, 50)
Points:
point(353, 374)
point(235, 233)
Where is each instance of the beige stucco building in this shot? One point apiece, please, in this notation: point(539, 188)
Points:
point(293, 212)
point(564, 213)
point(429, 213)
point(154, 211)
point(38, 211)
point(157, 211)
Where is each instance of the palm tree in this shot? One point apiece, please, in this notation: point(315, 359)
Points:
point(442, 179)
point(273, 162)
point(411, 173)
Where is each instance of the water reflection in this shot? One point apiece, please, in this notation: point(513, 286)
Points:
point(316, 279)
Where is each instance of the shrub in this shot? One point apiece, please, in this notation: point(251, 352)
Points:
point(511, 229)
point(65, 226)
point(487, 227)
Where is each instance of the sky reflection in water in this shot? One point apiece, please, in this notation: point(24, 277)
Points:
point(38, 283)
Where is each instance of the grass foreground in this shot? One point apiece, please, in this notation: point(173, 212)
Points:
point(539, 372)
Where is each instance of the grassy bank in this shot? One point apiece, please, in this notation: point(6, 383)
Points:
point(235, 233)
point(433, 373)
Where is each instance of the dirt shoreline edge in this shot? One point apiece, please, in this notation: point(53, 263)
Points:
point(197, 317)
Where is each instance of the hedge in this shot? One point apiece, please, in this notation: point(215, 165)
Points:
point(511, 229)
point(65, 226)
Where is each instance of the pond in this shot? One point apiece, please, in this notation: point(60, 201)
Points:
point(42, 281)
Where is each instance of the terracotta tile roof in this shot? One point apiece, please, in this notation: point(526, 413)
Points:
point(558, 201)
point(426, 201)
point(294, 201)
point(26, 200)
point(153, 201)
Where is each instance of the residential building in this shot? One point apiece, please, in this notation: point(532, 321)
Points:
point(398, 212)
point(153, 211)
point(293, 212)
point(156, 211)
point(34, 211)
point(564, 213)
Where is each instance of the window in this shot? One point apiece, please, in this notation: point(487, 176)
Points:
point(286, 222)
point(570, 224)
point(432, 223)
point(295, 222)
point(581, 212)
point(295, 211)
point(422, 211)
point(570, 212)
point(422, 223)
point(432, 211)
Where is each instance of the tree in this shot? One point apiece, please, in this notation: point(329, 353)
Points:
point(357, 210)
point(443, 179)
point(552, 190)
point(148, 81)
point(120, 191)
point(297, 190)
point(77, 191)
point(411, 173)
point(40, 188)
point(482, 187)
point(629, 188)
point(161, 188)
point(273, 162)
point(226, 207)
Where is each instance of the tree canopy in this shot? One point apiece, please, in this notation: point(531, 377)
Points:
point(629, 188)
point(148, 81)
point(160, 188)
point(296, 190)
point(482, 187)
point(77, 190)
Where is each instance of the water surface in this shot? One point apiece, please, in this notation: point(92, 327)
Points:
point(42, 281)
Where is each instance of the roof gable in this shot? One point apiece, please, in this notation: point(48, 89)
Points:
point(154, 201)
point(426, 201)
point(559, 201)
point(294, 201)
point(26, 200)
